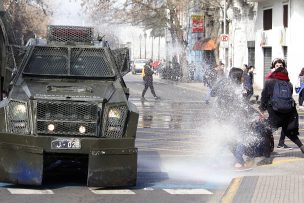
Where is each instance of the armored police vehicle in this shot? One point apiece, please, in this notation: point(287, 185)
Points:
point(68, 101)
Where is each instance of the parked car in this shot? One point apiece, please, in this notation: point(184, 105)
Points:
point(138, 65)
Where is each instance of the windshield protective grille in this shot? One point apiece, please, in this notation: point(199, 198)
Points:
point(56, 61)
point(66, 118)
point(48, 61)
point(90, 62)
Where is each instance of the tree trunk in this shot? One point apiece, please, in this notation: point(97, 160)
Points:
point(179, 43)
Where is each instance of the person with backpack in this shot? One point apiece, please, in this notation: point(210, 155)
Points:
point(252, 138)
point(148, 80)
point(281, 144)
point(276, 98)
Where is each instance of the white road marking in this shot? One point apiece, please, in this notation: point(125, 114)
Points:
point(112, 192)
point(20, 191)
point(188, 191)
point(148, 188)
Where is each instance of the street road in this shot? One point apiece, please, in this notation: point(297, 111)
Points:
point(182, 154)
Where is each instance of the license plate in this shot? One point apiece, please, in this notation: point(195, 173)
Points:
point(66, 143)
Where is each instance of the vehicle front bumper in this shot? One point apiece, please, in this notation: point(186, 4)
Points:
point(111, 162)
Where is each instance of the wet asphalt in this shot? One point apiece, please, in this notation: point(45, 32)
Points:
point(178, 150)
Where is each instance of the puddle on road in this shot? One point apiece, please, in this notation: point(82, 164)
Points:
point(172, 115)
point(210, 160)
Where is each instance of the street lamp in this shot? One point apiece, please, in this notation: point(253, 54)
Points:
point(145, 36)
point(158, 48)
point(140, 37)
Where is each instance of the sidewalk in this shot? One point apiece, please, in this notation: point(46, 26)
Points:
point(266, 189)
point(200, 87)
point(278, 179)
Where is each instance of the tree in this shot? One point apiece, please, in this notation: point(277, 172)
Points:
point(157, 15)
point(162, 15)
point(28, 18)
point(214, 12)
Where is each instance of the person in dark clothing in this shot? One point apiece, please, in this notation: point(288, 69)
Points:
point(248, 82)
point(148, 81)
point(209, 79)
point(301, 81)
point(232, 109)
point(281, 144)
point(288, 121)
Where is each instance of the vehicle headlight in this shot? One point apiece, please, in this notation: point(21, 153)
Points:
point(19, 112)
point(51, 127)
point(114, 113)
point(17, 117)
point(82, 129)
point(114, 120)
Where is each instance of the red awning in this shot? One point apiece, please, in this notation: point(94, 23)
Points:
point(204, 45)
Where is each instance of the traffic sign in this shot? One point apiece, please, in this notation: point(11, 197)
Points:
point(224, 37)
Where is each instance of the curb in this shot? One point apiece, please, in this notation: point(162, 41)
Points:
point(231, 190)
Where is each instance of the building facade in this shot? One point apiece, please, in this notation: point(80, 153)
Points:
point(278, 33)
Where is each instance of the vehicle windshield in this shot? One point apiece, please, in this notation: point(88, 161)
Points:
point(64, 61)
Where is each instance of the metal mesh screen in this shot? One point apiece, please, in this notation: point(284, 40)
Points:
point(87, 62)
point(70, 34)
point(90, 62)
point(48, 61)
point(10, 66)
point(122, 59)
point(114, 127)
point(66, 118)
point(11, 63)
point(17, 117)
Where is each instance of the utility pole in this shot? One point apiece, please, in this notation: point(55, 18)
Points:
point(140, 37)
point(145, 36)
point(152, 48)
point(158, 48)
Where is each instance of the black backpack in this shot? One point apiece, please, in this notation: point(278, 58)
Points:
point(282, 100)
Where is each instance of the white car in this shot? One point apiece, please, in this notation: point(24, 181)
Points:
point(139, 65)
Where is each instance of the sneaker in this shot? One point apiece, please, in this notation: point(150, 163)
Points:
point(284, 146)
point(242, 167)
point(265, 161)
point(156, 97)
point(142, 98)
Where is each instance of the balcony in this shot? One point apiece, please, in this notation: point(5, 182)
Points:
point(274, 36)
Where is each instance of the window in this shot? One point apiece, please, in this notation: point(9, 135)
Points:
point(285, 15)
point(267, 59)
point(285, 52)
point(251, 56)
point(267, 19)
